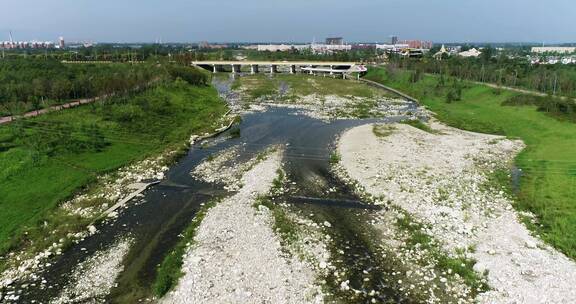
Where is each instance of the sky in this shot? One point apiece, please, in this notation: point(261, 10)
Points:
point(549, 21)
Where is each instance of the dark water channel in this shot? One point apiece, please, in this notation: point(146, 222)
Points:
point(155, 222)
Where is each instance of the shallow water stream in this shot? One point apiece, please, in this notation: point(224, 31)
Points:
point(155, 220)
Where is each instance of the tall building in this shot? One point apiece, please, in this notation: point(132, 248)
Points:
point(335, 41)
point(418, 44)
point(394, 40)
point(61, 43)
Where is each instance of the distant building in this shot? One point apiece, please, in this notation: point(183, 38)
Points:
point(330, 48)
point(280, 47)
point(206, 45)
point(363, 46)
point(568, 60)
point(412, 53)
point(418, 44)
point(470, 53)
point(26, 45)
point(554, 49)
point(61, 43)
point(392, 47)
point(394, 40)
point(441, 53)
point(335, 41)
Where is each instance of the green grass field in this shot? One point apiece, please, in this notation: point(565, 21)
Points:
point(47, 159)
point(548, 187)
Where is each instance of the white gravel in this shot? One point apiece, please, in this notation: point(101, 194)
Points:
point(93, 279)
point(237, 257)
point(439, 178)
point(330, 107)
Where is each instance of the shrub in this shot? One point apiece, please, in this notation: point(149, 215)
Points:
point(191, 75)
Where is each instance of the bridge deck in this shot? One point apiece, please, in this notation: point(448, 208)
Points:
point(285, 63)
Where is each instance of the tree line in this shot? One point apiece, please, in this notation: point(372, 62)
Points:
point(32, 83)
point(502, 70)
point(450, 89)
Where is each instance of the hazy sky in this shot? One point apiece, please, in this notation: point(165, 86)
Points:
point(289, 20)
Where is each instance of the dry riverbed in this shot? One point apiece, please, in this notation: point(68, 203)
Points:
point(441, 179)
point(236, 256)
point(93, 279)
point(314, 98)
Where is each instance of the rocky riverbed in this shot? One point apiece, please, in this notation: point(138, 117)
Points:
point(323, 106)
point(93, 279)
point(441, 177)
point(237, 257)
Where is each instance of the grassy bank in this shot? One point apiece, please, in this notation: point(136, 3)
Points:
point(47, 159)
point(548, 186)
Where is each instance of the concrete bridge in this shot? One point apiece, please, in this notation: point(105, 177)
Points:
point(292, 67)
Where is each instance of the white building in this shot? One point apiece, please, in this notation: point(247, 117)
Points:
point(553, 49)
point(392, 47)
point(439, 54)
point(279, 47)
point(329, 48)
point(470, 53)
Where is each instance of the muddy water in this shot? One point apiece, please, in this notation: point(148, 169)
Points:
point(155, 220)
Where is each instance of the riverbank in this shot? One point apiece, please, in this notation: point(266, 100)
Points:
point(144, 154)
point(445, 183)
point(547, 181)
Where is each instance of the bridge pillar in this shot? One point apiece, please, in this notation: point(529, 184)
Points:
point(292, 69)
point(254, 69)
point(331, 72)
point(214, 69)
point(273, 69)
point(235, 68)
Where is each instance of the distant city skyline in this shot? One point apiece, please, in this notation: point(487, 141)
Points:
point(296, 20)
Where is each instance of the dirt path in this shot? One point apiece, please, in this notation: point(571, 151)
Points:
point(73, 104)
point(442, 180)
point(68, 105)
point(518, 90)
